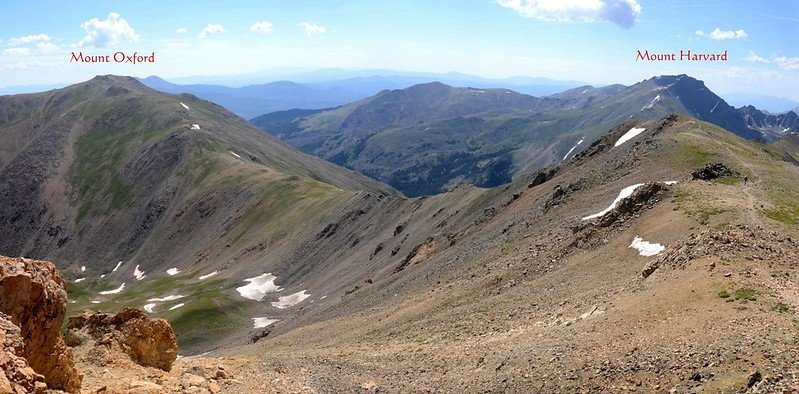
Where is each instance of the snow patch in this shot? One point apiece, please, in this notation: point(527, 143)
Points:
point(670, 182)
point(573, 148)
point(83, 268)
point(261, 322)
point(95, 302)
point(102, 276)
point(184, 106)
point(167, 298)
point(173, 271)
point(583, 92)
point(235, 154)
point(629, 135)
point(290, 300)
point(645, 248)
point(79, 280)
point(624, 193)
point(652, 104)
point(258, 287)
point(176, 306)
point(119, 264)
point(714, 107)
point(149, 307)
point(204, 277)
point(195, 127)
point(138, 274)
point(115, 291)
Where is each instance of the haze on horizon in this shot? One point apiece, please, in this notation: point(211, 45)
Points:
point(591, 41)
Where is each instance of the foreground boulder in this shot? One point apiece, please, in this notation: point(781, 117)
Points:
point(16, 376)
point(33, 295)
point(147, 341)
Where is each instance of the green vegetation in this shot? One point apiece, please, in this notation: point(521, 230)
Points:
point(697, 204)
point(782, 308)
point(694, 155)
point(208, 308)
point(724, 294)
point(746, 294)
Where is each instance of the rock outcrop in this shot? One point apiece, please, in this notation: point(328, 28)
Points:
point(33, 294)
point(148, 342)
point(17, 376)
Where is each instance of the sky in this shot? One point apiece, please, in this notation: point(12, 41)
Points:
point(595, 41)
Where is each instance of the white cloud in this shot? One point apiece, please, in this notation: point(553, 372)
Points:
point(783, 62)
point(211, 29)
point(47, 46)
point(110, 31)
point(753, 57)
point(787, 63)
point(26, 65)
point(34, 38)
point(311, 29)
point(719, 34)
point(621, 12)
point(182, 30)
point(262, 27)
point(16, 51)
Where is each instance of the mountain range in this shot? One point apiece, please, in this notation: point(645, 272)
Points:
point(431, 137)
point(644, 259)
point(328, 88)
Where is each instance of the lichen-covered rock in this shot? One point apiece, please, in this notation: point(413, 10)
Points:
point(147, 341)
point(33, 294)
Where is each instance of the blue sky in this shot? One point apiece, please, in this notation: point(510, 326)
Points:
point(592, 40)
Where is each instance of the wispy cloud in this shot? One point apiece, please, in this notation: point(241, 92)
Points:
point(211, 29)
point(311, 29)
point(719, 34)
point(113, 30)
point(33, 64)
point(783, 62)
point(16, 51)
point(621, 12)
point(262, 27)
point(34, 38)
point(182, 30)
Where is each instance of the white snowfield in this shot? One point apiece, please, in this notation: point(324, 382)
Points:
point(573, 148)
point(138, 274)
point(119, 264)
point(173, 271)
point(261, 322)
point(235, 154)
point(83, 268)
point(290, 300)
point(149, 308)
point(184, 105)
point(79, 280)
point(95, 302)
point(195, 127)
point(167, 298)
point(651, 104)
point(645, 248)
point(115, 291)
point(204, 277)
point(624, 193)
point(176, 306)
point(258, 287)
point(629, 135)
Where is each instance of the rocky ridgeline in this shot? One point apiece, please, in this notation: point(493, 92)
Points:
point(33, 295)
point(741, 241)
